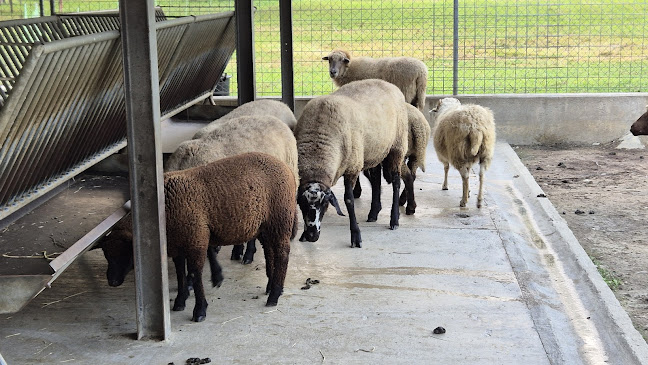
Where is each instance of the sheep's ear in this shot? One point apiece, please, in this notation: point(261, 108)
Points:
point(346, 60)
point(325, 58)
point(333, 200)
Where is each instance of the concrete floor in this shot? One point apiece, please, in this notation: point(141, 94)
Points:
point(508, 282)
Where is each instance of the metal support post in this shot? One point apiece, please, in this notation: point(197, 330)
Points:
point(287, 73)
point(139, 46)
point(244, 11)
point(455, 48)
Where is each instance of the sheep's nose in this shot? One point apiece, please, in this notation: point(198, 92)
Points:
point(309, 236)
point(115, 282)
point(333, 73)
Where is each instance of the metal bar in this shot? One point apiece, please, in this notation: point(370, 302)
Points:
point(84, 243)
point(455, 48)
point(144, 148)
point(243, 10)
point(287, 72)
point(52, 7)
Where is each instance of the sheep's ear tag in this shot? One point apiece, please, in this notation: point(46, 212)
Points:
point(325, 58)
point(331, 198)
point(346, 60)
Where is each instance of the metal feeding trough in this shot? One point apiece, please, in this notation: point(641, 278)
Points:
point(63, 110)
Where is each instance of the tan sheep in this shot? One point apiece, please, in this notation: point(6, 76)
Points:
point(419, 136)
point(357, 127)
point(409, 74)
point(464, 135)
point(260, 108)
point(225, 202)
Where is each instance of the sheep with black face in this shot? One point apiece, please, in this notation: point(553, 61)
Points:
point(360, 126)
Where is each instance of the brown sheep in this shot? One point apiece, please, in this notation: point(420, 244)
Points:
point(640, 126)
point(223, 203)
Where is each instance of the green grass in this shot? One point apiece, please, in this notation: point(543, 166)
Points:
point(609, 277)
point(505, 46)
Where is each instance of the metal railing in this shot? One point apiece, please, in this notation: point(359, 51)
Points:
point(63, 104)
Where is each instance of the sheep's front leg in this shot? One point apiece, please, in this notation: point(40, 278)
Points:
point(376, 206)
point(446, 167)
point(356, 239)
point(395, 212)
point(464, 171)
point(250, 249)
point(357, 189)
point(183, 289)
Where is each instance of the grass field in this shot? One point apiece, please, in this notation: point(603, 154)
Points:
point(505, 46)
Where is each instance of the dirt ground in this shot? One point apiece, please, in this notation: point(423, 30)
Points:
point(602, 193)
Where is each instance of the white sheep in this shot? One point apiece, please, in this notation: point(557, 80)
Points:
point(464, 135)
point(261, 108)
point(357, 127)
point(234, 136)
point(409, 74)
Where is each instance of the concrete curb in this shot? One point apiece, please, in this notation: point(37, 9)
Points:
point(622, 343)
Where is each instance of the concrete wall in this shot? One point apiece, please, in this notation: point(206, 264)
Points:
point(554, 118)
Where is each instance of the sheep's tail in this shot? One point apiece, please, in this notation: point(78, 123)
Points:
point(475, 139)
point(421, 89)
point(295, 226)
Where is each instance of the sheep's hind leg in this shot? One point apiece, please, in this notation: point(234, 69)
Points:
point(200, 309)
point(237, 252)
point(446, 167)
point(250, 249)
point(279, 255)
point(408, 179)
point(395, 212)
point(480, 196)
point(183, 290)
point(376, 206)
point(356, 239)
point(216, 270)
point(464, 171)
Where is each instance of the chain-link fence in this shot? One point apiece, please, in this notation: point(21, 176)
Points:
point(503, 46)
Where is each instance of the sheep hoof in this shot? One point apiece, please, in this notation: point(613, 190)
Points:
point(198, 318)
point(393, 227)
point(409, 211)
point(444, 188)
point(217, 281)
point(271, 304)
point(371, 219)
point(178, 308)
point(356, 240)
point(247, 261)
